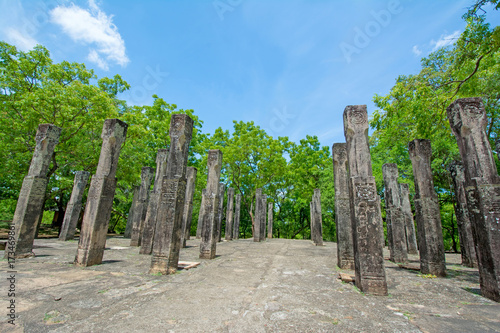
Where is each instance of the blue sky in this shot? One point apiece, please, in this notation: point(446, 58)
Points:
point(290, 66)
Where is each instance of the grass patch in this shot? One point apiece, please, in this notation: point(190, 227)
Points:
point(427, 276)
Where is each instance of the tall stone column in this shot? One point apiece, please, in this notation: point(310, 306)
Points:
point(229, 214)
point(411, 239)
point(468, 122)
point(366, 218)
point(467, 248)
point(167, 236)
point(140, 211)
point(32, 195)
point(311, 220)
point(428, 216)
point(211, 195)
point(100, 197)
point(74, 207)
point(270, 211)
point(188, 206)
point(263, 216)
point(258, 213)
point(199, 227)
point(317, 225)
point(394, 214)
point(130, 217)
point(148, 232)
point(345, 250)
point(220, 210)
point(236, 228)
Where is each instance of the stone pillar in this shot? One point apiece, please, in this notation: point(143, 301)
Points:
point(311, 219)
point(220, 210)
point(128, 227)
point(100, 197)
point(468, 122)
point(167, 236)
point(467, 247)
point(210, 202)
point(236, 227)
point(148, 232)
point(411, 239)
point(258, 213)
point(317, 225)
point(428, 216)
point(74, 207)
point(345, 251)
point(32, 195)
point(366, 218)
point(263, 213)
point(394, 215)
point(270, 211)
point(140, 210)
point(199, 227)
point(188, 206)
point(229, 214)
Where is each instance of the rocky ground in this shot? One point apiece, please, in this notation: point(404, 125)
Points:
point(275, 286)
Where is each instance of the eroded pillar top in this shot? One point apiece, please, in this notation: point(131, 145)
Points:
point(420, 155)
point(356, 135)
point(339, 152)
point(161, 166)
point(214, 164)
point(114, 132)
point(390, 174)
point(468, 122)
point(466, 114)
point(47, 137)
point(181, 132)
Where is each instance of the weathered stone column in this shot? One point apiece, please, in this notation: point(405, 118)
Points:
point(366, 218)
point(270, 211)
point(311, 219)
point(141, 209)
point(317, 225)
point(229, 214)
point(411, 239)
point(345, 250)
point(258, 213)
point(236, 227)
point(428, 216)
point(263, 216)
point(209, 233)
point(468, 122)
point(32, 195)
point(100, 197)
point(167, 236)
point(467, 247)
point(74, 207)
point(220, 210)
point(394, 215)
point(199, 227)
point(148, 232)
point(130, 217)
point(188, 206)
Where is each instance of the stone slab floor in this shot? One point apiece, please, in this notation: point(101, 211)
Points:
point(275, 286)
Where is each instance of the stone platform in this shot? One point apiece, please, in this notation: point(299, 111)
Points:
point(273, 286)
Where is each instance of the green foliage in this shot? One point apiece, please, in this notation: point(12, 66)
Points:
point(416, 106)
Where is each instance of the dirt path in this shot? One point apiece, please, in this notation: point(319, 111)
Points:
point(275, 286)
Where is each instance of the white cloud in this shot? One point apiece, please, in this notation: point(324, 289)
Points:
point(92, 27)
point(23, 41)
point(95, 58)
point(416, 51)
point(445, 40)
